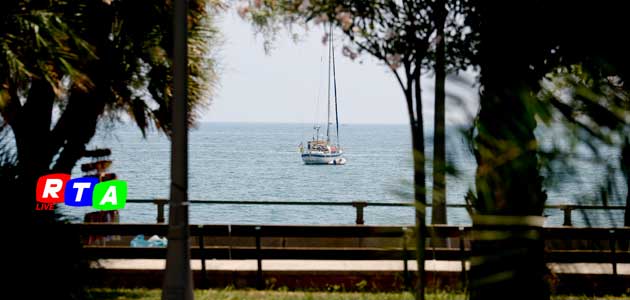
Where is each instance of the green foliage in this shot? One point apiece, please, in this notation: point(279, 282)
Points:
point(37, 41)
point(394, 32)
point(67, 66)
point(361, 285)
point(121, 46)
point(546, 68)
point(565, 80)
point(588, 112)
point(400, 34)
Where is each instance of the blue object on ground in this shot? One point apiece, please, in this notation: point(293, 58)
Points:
point(154, 241)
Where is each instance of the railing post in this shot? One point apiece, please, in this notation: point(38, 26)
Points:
point(359, 205)
point(462, 256)
point(160, 203)
point(613, 251)
point(259, 275)
point(202, 257)
point(567, 215)
point(406, 278)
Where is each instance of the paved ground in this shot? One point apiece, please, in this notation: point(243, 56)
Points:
point(342, 265)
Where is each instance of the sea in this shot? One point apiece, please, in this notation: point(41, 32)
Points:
point(261, 162)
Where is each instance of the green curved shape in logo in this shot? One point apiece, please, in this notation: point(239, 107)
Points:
point(110, 195)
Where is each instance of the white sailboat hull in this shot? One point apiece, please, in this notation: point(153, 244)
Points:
point(322, 158)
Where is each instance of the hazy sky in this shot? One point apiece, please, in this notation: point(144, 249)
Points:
point(283, 86)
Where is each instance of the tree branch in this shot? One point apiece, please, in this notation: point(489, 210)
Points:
point(400, 82)
point(11, 110)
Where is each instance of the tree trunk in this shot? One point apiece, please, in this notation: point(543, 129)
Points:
point(36, 147)
point(509, 193)
point(77, 126)
point(37, 144)
point(438, 210)
point(625, 244)
point(31, 129)
point(507, 254)
point(624, 162)
point(417, 137)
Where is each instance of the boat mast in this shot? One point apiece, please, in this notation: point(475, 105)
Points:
point(329, 65)
point(335, 89)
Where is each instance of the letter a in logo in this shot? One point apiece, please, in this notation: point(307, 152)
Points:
point(110, 195)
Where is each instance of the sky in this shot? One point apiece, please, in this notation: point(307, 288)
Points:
point(283, 86)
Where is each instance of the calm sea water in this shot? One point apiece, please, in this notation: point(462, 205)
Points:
point(239, 161)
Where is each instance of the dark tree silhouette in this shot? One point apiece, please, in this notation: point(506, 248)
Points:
point(519, 44)
point(438, 195)
point(625, 168)
point(66, 66)
point(90, 62)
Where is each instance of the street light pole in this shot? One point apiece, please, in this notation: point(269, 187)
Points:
point(178, 283)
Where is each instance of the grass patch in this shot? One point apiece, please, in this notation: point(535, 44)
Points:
point(230, 294)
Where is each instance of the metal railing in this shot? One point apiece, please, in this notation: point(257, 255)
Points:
point(613, 251)
point(361, 205)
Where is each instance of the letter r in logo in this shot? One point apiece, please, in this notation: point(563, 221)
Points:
point(50, 188)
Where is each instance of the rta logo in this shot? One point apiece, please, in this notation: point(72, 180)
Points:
point(83, 191)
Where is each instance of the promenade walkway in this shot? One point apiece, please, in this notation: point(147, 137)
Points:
point(343, 265)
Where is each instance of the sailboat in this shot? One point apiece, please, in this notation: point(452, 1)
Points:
point(324, 150)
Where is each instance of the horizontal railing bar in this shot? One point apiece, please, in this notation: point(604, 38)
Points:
point(350, 203)
point(582, 206)
point(313, 203)
point(250, 230)
point(333, 231)
point(592, 233)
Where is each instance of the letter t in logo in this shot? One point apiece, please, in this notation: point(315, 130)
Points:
point(79, 191)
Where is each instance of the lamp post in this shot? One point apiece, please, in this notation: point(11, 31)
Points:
point(178, 283)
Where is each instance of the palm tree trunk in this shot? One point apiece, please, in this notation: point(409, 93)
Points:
point(624, 161)
point(509, 198)
point(507, 251)
point(77, 125)
point(31, 127)
point(625, 244)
